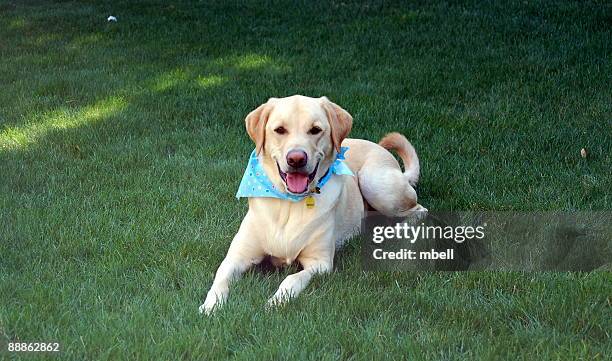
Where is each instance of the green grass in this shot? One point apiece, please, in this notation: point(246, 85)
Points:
point(122, 145)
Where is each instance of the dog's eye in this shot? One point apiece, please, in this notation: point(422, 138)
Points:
point(280, 130)
point(314, 130)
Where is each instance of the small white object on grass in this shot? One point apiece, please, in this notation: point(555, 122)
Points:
point(112, 18)
point(583, 153)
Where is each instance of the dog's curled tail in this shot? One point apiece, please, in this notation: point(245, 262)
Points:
point(399, 143)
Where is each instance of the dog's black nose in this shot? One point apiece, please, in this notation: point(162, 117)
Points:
point(297, 158)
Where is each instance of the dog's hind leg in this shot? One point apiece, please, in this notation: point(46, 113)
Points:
point(383, 184)
point(387, 191)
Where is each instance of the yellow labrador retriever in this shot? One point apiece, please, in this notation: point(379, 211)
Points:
point(297, 140)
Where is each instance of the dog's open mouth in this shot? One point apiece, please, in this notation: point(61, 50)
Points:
point(297, 182)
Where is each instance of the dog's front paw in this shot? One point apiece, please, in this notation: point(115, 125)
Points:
point(275, 302)
point(280, 298)
point(213, 301)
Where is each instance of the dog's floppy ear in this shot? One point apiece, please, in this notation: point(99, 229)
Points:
point(340, 122)
point(256, 123)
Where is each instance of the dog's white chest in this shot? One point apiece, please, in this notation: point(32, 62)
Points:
point(293, 230)
point(289, 227)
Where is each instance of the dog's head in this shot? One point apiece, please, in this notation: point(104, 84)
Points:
point(301, 135)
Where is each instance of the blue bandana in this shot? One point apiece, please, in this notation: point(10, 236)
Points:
point(255, 181)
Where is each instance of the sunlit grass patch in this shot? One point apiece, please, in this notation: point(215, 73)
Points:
point(210, 81)
point(62, 119)
point(17, 23)
point(170, 79)
point(252, 61)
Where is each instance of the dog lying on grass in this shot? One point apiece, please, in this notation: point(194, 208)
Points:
point(308, 187)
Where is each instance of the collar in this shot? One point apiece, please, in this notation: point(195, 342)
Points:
point(255, 181)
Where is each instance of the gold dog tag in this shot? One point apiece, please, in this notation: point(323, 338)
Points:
point(310, 202)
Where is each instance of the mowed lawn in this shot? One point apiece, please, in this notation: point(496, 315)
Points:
point(122, 145)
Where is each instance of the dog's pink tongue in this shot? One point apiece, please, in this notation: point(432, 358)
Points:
point(297, 182)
